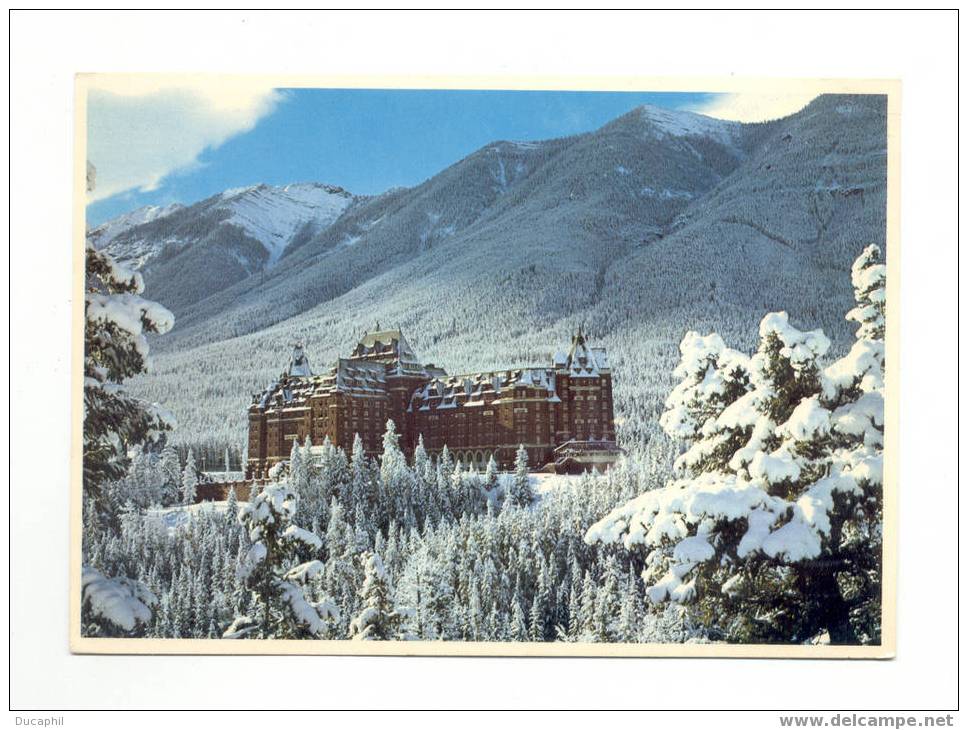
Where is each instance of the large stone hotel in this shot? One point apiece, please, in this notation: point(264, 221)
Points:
point(561, 413)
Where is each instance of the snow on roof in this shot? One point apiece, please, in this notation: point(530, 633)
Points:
point(298, 363)
point(471, 388)
point(582, 361)
point(601, 357)
point(389, 346)
point(386, 353)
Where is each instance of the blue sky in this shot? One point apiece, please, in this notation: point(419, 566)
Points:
point(156, 144)
point(363, 140)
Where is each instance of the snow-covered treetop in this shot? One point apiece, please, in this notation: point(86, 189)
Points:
point(869, 276)
point(782, 452)
point(374, 569)
point(799, 347)
point(709, 372)
point(268, 519)
point(113, 305)
point(120, 602)
point(117, 322)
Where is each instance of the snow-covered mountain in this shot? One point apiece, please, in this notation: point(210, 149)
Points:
point(103, 234)
point(656, 223)
point(575, 204)
point(186, 251)
point(273, 215)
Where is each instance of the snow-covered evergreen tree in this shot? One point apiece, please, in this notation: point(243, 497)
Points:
point(520, 494)
point(189, 480)
point(629, 615)
point(117, 321)
point(114, 607)
point(378, 620)
point(231, 507)
point(519, 627)
point(540, 627)
point(869, 275)
point(490, 475)
point(608, 604)
point(171, 473)
point(772, 528)
point(281, 586)
point(424, 594)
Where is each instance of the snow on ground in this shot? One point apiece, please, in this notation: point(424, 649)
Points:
point(544, 483)
point(224, 476)
point(179, 515)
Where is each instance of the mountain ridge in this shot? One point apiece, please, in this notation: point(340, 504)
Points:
point(497, 258)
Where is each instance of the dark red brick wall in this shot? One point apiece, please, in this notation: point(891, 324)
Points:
point(219, 492)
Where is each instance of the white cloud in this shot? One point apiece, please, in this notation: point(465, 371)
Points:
point(142, 128)
point(754, 107)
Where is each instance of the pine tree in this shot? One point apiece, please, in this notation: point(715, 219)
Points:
point(296, 474)
point(442, 489)
point(475, 618)
point(231, 515)
point(628, 619)
point(536, 619)
point(772, 528)
point(378, 621)
point(270, 570)
point(170, 468)
point(586, 612)
point(574, 611)
point(427, 590)
point(519, 628)
point(520, 494)
point(362, 489)
point(458, 495)
point(116, 322)
point(868, 275)
point(540, 609)
point(423, 477)
point(299, 481)
point(476, 495)
point(607, 603)
point(361, 532)
point(189, 480)
point(491, 475)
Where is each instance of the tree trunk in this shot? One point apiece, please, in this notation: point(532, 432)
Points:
point(836, 611)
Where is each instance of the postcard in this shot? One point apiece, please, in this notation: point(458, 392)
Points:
point(519, 366)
